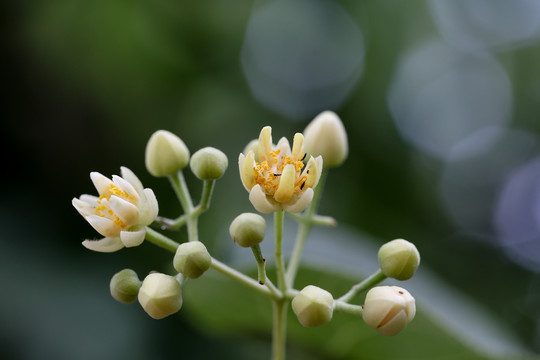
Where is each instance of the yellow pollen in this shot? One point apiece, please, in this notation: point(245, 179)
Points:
point(104, 210)
point(269, 177)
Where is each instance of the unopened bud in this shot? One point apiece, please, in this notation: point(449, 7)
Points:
point(165, 154)
point(388, 309)
point(399, 259)
point(248, 229)
point(125, 286)
point(326, 136)
point(160, 295)
point(209, 163)
point(192, 259)
point(313, 306)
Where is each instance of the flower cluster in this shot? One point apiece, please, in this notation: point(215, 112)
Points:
point(279, 179)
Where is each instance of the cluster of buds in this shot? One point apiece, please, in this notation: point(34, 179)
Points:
point(279, 178)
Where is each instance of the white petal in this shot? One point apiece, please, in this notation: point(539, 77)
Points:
point(300, 203)
point(245, 165)
point(102, 183)
point(132, 238)
point(298, 146)
point(265, 143)
point(149, 207)
point(283, 146)
point(132, 179)
point(285, 188)
point(105, 245)
point(126, 187)
point(90, 199)
point(104, 226)
point(261, 202)
point(126, 211)
point(84, 208)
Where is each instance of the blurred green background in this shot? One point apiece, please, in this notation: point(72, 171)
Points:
point(441, 101)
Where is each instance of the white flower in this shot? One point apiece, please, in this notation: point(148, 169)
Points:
point(280, 179)
point(120, 213)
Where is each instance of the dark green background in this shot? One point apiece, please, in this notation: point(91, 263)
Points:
point(85, 85)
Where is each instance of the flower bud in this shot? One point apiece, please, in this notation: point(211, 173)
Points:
point(192, 259)
point(388, 309)
point(248, 229)
point(125, 286)
point(313, 306)
point(160, 295)
point(399, 259)
point(325, 135)
point(165, 154)
point(209, 163)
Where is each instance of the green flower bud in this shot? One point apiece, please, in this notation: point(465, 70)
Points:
point(209, 163)
point(248, 229)
point(165, 154)
point(125, 286)
point(192, 259)
point(313, 306)
point(160, 295)
point(388, 309)
point(399, 259)
point(325, 135)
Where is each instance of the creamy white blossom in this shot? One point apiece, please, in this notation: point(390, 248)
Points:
point(120, 212)
point(279, 179)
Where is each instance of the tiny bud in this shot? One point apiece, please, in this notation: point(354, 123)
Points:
point(125, 286)
point(313, 306)
point(192, 259)
point(165, 154)
point(388, 309)
point(209, 163)
point(248, 229)
point(326, 136)
point(160, 295)
point(399, 259)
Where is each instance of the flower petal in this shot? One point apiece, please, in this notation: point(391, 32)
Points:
point(131, 178)
point(246, 165)
point(105, 245)
point(126, 211)
point(104, 226)
point(265, 144)
point(125, 186)
point(285, 188)
point(298, 147)
point(102, 183)
point(261, 202)
point(149, 208)
point(314, 166)
point(300, 203)
point(132, 238)
point(84, 208)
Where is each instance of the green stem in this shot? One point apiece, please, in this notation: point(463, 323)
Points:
point(367, 283)
point(161, 240)
point(179, 186)
point(242, 278)
point(260, 263)
point(303, 232)
point(348, 308)
point(279, 331)
point(208, 188)
point(280, 264)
